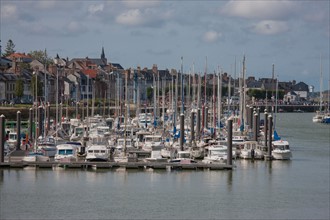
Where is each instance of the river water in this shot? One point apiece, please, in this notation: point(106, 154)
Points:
point(296, 189)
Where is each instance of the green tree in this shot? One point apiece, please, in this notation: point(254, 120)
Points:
point(41, 56)
point(9, 48)
point(19, 88)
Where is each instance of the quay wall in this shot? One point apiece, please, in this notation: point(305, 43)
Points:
point(10, 111)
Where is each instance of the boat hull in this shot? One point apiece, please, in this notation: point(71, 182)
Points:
point(281, 155)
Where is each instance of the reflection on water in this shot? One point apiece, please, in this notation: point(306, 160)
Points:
point(295, 189)
point(1, 175)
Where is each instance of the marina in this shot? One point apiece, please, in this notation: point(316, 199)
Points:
point(290, 189)
point(154, 110)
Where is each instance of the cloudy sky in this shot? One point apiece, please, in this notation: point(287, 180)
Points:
point(293, 35)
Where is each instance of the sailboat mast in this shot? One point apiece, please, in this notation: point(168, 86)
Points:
point(163, 93)
point(126, 117)
point(199, 90)
point(204, 103)
point(155, 94)
point(175, 103)
point(321, 84)
point(214, 106)
point(182, 88)
point(219, 97)
point(193, 87)
point(276, 97)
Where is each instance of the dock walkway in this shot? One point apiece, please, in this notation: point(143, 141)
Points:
point(115, 165)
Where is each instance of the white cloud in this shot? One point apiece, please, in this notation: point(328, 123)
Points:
point(95, 8)
point(131, 17)
point(140, 3)
point(9, 12)
point(211, 36)
point(142, 17)
point(269, 27)
point(266, 10)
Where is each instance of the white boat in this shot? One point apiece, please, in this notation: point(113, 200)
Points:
point(35, 157)
point(183, 157)
point(97, 153)
point(155, 157)
point(318, 118)
point(152, 142)
point(216, 154)
point(12, 139)
point(145, 120)
point(121, 143)
point(252, 150)
point(139, 139)
point(78, 133)
point(66, 152)
point(47, 146)
point(281, 150)
point(197, 152)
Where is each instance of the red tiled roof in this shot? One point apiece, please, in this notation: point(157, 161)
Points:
point(90, 72)
point(19, 55)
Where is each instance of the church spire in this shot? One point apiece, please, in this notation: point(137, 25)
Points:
point(102, 54)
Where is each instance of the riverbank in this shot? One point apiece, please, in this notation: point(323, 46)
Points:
point(10, 112)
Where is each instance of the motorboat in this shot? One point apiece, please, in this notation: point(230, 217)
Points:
point(216, 154)
point(155, 157)
point(318, 118)
point(66, 152)
point(281, 150)
point(97, 153)
point(35, 157)
point(12, 139)
point(47, 146)
point(78, 133)
point(183, 157)
point(252, 150)
point(153, 142)
point(125, 142)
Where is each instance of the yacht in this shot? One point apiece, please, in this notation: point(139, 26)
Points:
point(97, 153)
point(253, 150)
point(35, 157)
point(78, 133)
point(216, 154)
point(155, 157)
point(281, 150)
point(47, 146)
point(152, 142)
point(183, 157)
point(66, 152)
point(12, 139)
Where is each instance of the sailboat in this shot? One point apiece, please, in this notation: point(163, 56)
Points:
point(281, 148)
point(318, 118)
